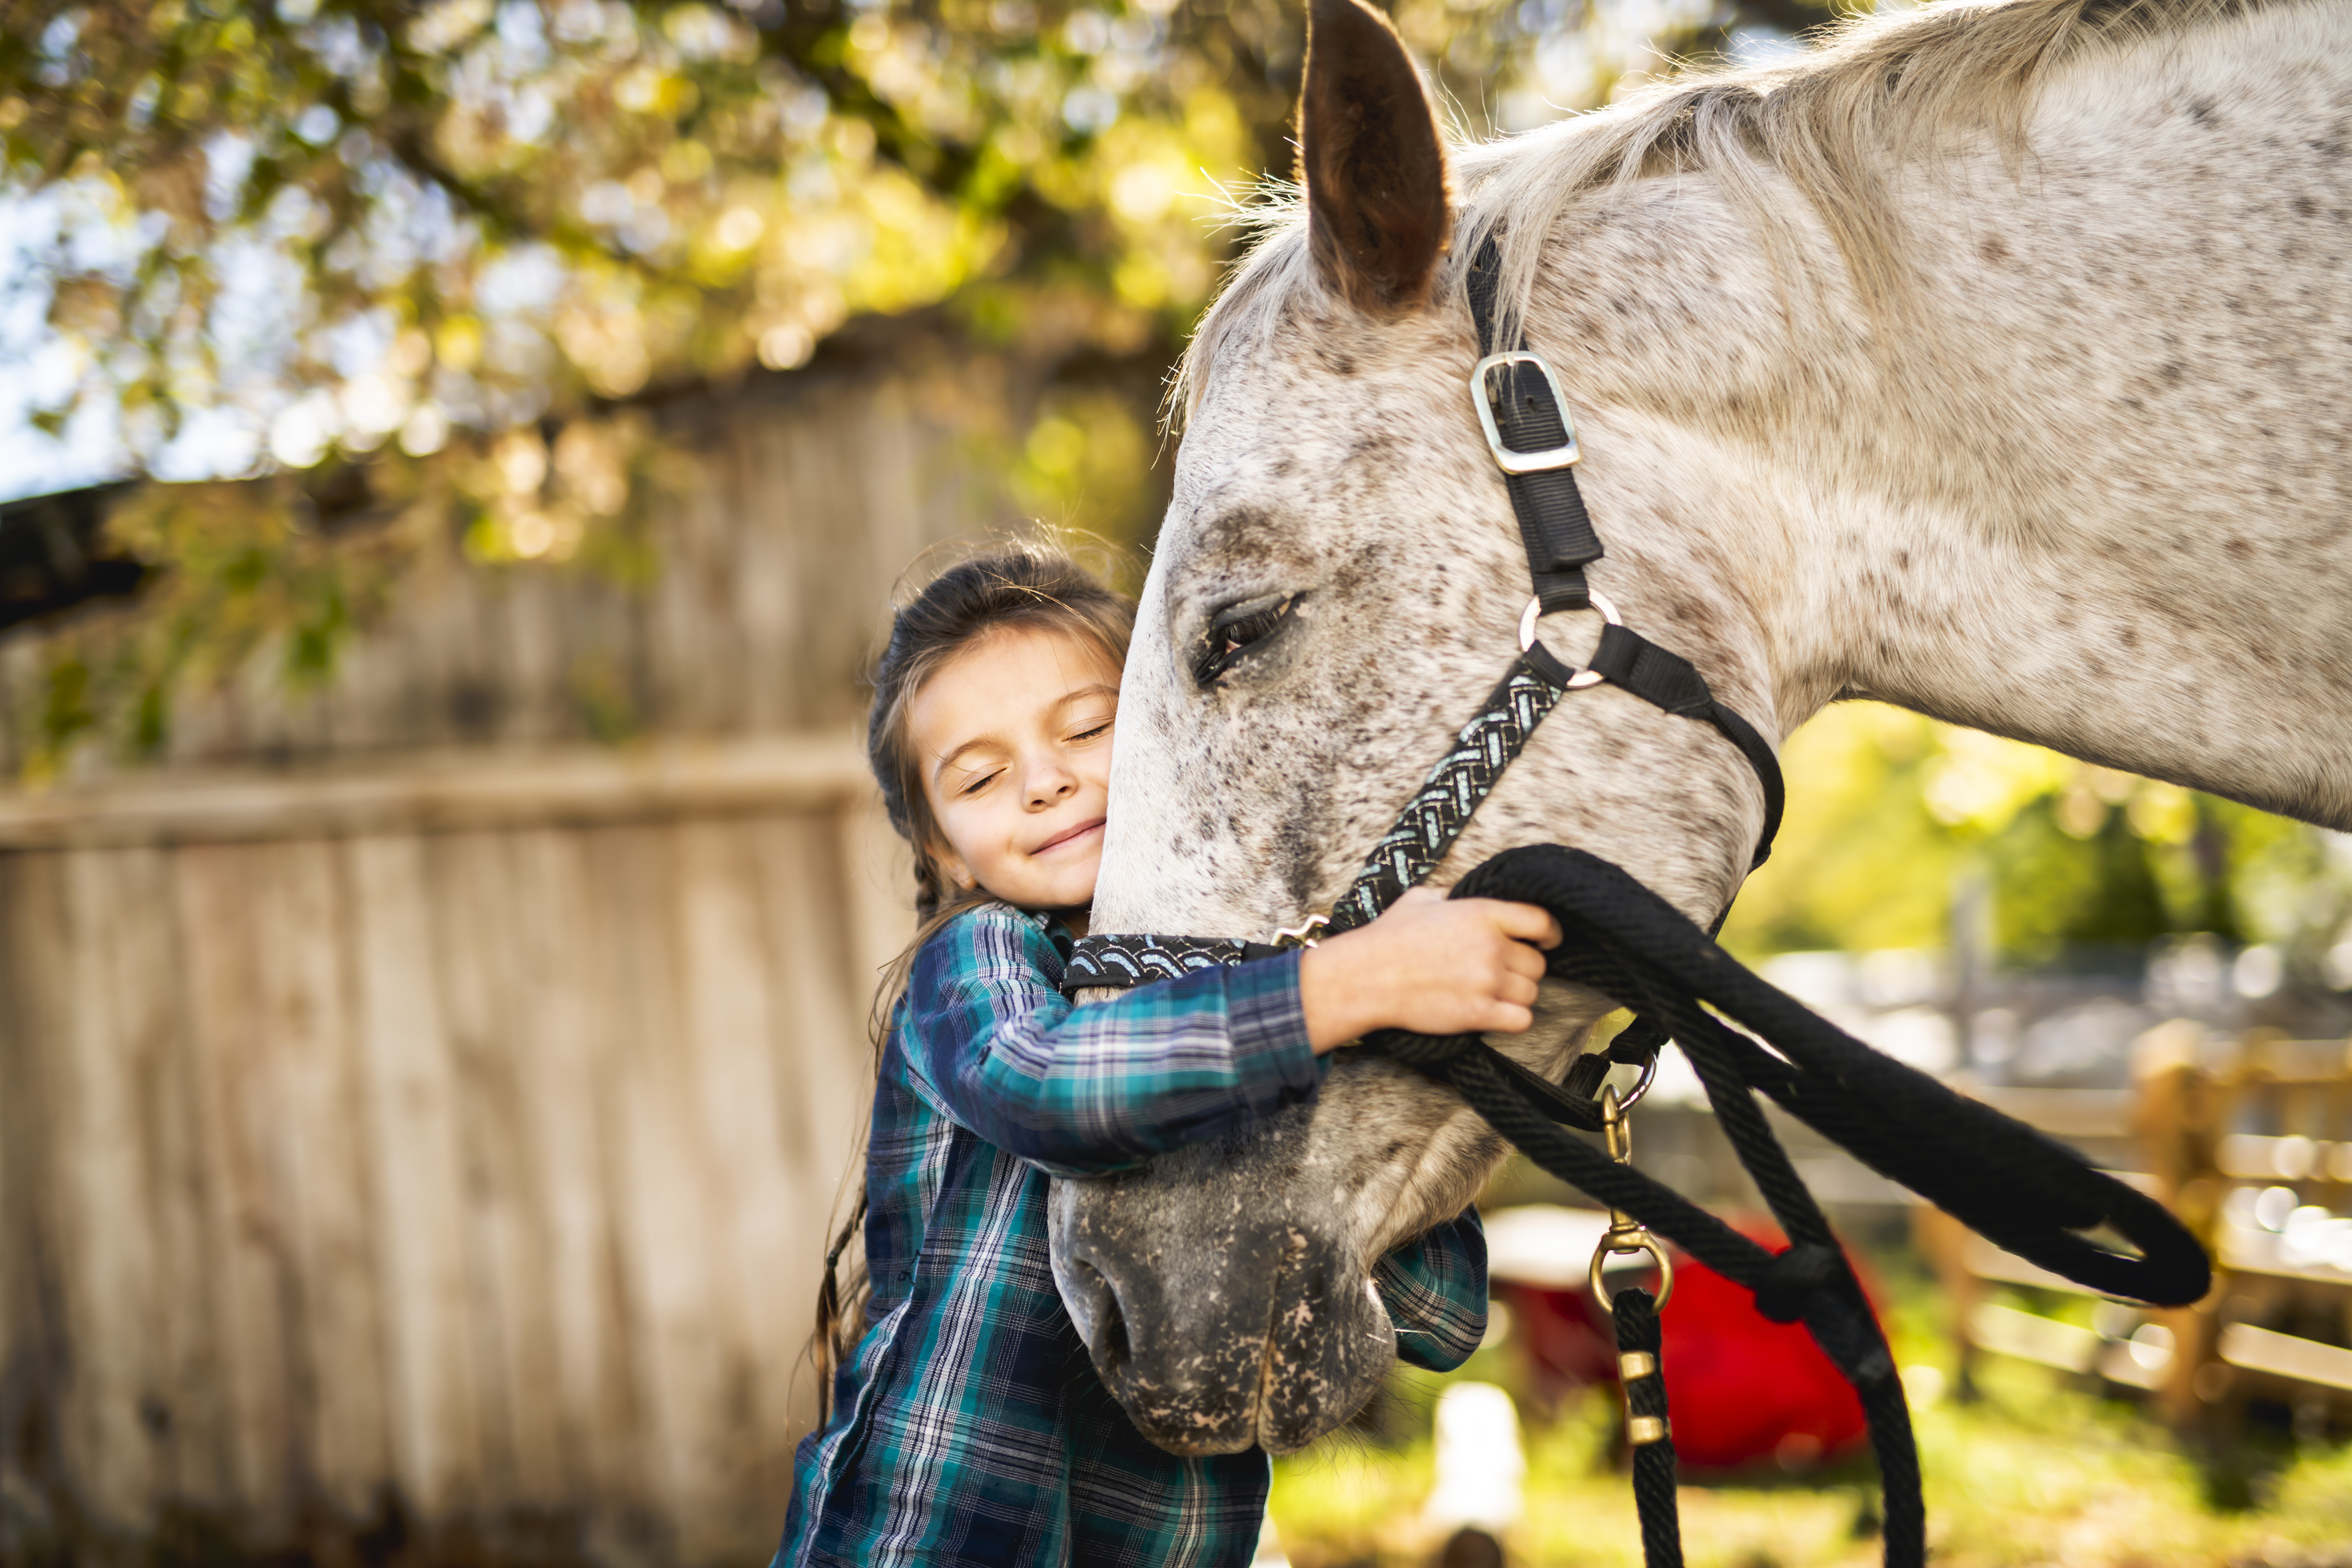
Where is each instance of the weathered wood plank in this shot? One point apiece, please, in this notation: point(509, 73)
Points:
point(103, 1233)
point(323, 1168)
point(669, 1245)
point(34, 999)
point(530, 658)
point(412, 1092)
point(251, 1276)
point(755, 489)
point(828, 655)
point(477, 957)
point(877, 890)
point(25, 1343)
point(696, 599)
point(563, 1049)
point(184, 1408)
point(736, 1048)
point(826, 1084)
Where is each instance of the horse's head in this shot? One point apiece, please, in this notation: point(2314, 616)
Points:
point(1336, 586)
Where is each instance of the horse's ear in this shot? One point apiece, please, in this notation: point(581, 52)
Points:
point(1369, 157)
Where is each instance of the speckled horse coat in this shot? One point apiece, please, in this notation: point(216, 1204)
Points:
point(1994, 360)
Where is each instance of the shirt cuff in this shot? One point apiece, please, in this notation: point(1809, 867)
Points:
point(1268, 1020)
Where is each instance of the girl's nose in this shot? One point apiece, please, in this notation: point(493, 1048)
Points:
point(1050, 782)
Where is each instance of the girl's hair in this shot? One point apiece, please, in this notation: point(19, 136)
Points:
point(1017, 587)
point(1024, 587)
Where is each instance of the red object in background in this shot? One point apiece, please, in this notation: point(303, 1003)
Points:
point(1741, 1388)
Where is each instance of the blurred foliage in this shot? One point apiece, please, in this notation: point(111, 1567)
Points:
point(242, 568)
point(334, 224)
point(316, 235)
point(267, 578)
point(1891, 814)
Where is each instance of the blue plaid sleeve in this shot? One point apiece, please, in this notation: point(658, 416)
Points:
point(991, 1042)
point(1434, 1287)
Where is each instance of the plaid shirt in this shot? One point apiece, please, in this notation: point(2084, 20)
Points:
point(969, 1425)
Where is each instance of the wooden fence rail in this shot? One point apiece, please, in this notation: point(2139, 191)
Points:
point(2255, 1153)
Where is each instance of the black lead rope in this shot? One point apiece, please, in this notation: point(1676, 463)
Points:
point(2024, 1191)
point(1646, 1428)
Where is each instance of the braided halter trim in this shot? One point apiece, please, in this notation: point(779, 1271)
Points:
point(1432, 820)
point(1438, 812)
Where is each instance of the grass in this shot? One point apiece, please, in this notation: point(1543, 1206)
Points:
point(2038, 1471)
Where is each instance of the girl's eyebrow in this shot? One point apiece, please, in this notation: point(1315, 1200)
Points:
point(1076, 694)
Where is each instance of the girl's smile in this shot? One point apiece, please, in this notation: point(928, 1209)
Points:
point(1091, 833)
point(1015, 736)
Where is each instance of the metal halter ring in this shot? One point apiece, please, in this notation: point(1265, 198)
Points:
point(1534, 613)
point(1615, 1241)
point(1640, 1086)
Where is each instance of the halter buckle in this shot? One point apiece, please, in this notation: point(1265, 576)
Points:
point(1509, 459)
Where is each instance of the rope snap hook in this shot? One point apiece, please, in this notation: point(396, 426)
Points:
point(1626, 1234)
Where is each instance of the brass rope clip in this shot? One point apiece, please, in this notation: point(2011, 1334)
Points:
point(1626, 1234)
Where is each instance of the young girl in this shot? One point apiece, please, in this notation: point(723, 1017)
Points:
point(967, 1424)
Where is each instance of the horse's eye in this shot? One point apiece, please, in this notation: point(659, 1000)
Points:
point(1233, 632)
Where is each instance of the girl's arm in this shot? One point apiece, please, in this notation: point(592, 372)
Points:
point(1434, 1287)
point(992, 1044)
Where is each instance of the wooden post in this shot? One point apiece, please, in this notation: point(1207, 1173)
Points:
point(1943, 1241)
point(2177, 1117)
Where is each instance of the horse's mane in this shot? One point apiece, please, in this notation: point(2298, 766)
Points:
point(1880, 91)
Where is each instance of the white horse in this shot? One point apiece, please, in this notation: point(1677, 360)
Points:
point(1992, 360)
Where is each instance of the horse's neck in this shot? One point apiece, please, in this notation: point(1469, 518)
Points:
point(2107, 504)
point(2207, 646)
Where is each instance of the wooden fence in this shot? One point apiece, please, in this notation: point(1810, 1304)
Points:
point(2251, 1144)
point(419, 1124)
point(469, 1171)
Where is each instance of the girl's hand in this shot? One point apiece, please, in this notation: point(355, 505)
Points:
point(1432, 964)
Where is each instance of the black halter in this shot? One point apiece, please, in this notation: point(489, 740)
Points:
point(2025, 1192)
point(1534, 442)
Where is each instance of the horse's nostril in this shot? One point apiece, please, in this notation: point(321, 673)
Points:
point(1108, 1341)
point(1111, 1350)
point(1106, 1327)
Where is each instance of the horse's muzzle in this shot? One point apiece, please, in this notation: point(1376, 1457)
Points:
point(1216, 1316)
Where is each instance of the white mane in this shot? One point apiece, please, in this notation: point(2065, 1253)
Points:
point(1881, 92)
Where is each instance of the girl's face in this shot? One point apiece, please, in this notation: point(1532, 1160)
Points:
point(1013, 736)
